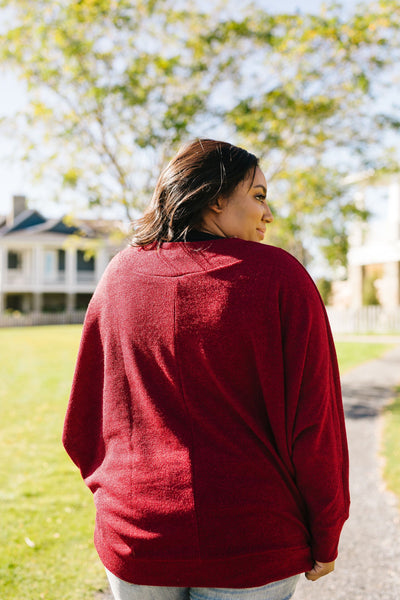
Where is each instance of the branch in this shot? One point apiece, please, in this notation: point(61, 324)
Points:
point(121, 174)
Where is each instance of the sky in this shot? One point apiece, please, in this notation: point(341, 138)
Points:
point(14, 178)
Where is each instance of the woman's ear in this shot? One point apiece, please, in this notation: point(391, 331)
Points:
point(218, 205)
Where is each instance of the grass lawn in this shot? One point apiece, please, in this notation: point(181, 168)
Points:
point(351, 354)
point(46, 512)
point(391, 444)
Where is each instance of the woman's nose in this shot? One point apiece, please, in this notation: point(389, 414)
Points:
point(268, 216)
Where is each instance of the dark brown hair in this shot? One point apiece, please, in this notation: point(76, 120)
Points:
point(196, 177)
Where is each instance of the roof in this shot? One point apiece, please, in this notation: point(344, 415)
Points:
point(26, 219)
point(30, 222)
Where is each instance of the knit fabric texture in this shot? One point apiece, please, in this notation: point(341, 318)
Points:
point(206, 417)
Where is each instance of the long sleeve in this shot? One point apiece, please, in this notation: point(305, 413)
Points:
point(82, 434)
point(315, 414)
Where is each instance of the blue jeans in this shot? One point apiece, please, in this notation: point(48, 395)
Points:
point(278, 590)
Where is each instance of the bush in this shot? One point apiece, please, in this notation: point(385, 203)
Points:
point(370, 295)
point(325, 289)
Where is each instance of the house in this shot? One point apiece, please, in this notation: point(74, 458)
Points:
point(374, 248)
point(48, 265)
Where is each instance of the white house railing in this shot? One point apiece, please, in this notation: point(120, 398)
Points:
point(14, 277)
point(58, 277)
point(18, 277)
point(366, 319)
point(86, 277)
point(37, 318)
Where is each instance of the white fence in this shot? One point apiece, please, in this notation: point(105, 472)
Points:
point(37, 318)
point(367, 319)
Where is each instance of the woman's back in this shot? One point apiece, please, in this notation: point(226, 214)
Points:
point(207, 379)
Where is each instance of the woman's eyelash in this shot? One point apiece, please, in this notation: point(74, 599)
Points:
point(261, 196)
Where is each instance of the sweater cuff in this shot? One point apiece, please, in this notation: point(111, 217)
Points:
point(325, 553)
point(324, 547)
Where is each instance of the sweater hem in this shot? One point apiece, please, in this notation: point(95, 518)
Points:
point(244, 571)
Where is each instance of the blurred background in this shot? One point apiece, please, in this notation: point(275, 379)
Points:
point(97, 95)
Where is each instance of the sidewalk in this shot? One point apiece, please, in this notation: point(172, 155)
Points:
point(368, 567)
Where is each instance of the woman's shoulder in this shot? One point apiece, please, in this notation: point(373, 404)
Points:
point(263, 254)
point(252, 256)
point(286, 270)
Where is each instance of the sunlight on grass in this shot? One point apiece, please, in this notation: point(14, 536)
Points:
point(46, 512)
point(391, 444)
point(351, 354)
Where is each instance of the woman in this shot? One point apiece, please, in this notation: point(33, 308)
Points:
point(205, 412)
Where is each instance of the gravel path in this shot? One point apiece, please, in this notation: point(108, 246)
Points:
point(368, 567)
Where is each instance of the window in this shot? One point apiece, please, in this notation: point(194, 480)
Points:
point(82, 301)
point(85, 265)
point(14, 260)
point(49, 264)
point(54, 265)
point(61, 260)
point(13, 302)
point(53, 303)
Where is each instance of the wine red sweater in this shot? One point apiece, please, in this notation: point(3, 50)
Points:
point(206, 417)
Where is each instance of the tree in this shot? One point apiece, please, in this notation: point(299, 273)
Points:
point(313, 112)
point(116, 86)
point(112, 86)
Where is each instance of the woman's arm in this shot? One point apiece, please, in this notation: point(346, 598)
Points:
point(315, 418)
